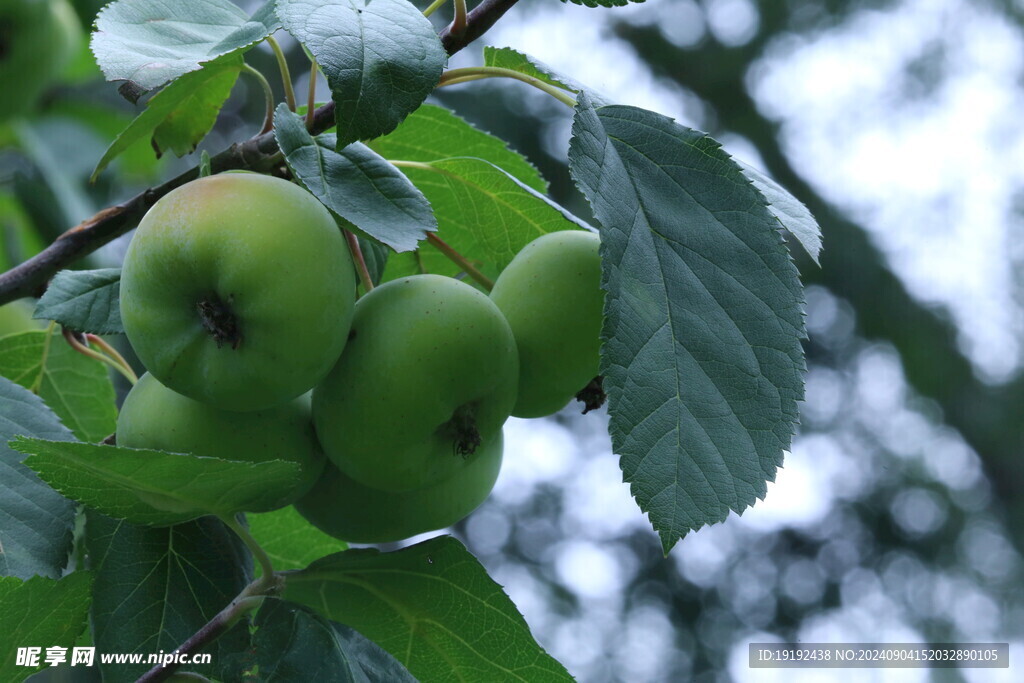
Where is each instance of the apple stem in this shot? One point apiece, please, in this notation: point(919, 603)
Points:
point(458, 26)
point(268, 94)
point(120, 363)
point(460, 261)
point(286, 76)
point(357, 254)
point(474, 73)
point(592, 396)
point(434, 6)
point(113, 358)
point(311, 96)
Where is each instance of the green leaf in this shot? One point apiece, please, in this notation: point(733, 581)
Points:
point(84, 300)
point(376, 257)
point(381, 59)
point(355, 183)
point(180, 115)
point(703, 317)
point(292, 643)
point(483, 212)
point(153, 487)
point(189, 122)
point(75, 387)
point(430, 605)
point(41, 613)
point(36, 523)
point(376, 664)
point(432, 133)
point(156, 587)
point(150, 43)
point(289, 540)
point(790, 211)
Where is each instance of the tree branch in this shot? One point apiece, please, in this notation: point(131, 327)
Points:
point(246, 601)
point(259, 153)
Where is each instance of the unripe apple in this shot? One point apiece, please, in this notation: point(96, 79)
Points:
point(551, 296)
point(429, 373)
point(37, 40)
point(157, 418)
point(348, 510)
point(237, 290)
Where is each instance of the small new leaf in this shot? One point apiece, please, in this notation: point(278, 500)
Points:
point(84, 300)
point(153, 487)
point(179, 116)
point(381, 58)
point(356, 183)
point(150, 43)
point(432, 606)
point(37, 522)
point(40, 612)
point(702, 360)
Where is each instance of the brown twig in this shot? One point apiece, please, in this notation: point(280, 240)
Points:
point(258, 153)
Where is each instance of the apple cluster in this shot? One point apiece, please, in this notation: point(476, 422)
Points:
point(238, 295)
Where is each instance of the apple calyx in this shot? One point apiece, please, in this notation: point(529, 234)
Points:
point(463, 430)
point(592, 396)
point(220, 321)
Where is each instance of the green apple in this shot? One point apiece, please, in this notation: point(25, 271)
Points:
point(37, 40)
point(429, 372)
point(157, 418)
point(237, 290)
point(551, 296)
point(348, 510)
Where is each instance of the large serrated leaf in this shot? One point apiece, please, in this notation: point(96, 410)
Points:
point(84, 300)
point(150, 43)
point(153, 487)
point(482, 212)
point(355, 183)
point(790, 211)
point(179, 116)
point(292, 643)
point(432, 133)
point(430, 605)
point(75, 387)
point(289, 540)
point(381, 58)
point(40, 613)
point(35, 521)
point(156, 587)
point(703, 317)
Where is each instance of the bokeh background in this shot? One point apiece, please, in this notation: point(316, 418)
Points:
point(899, 514)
